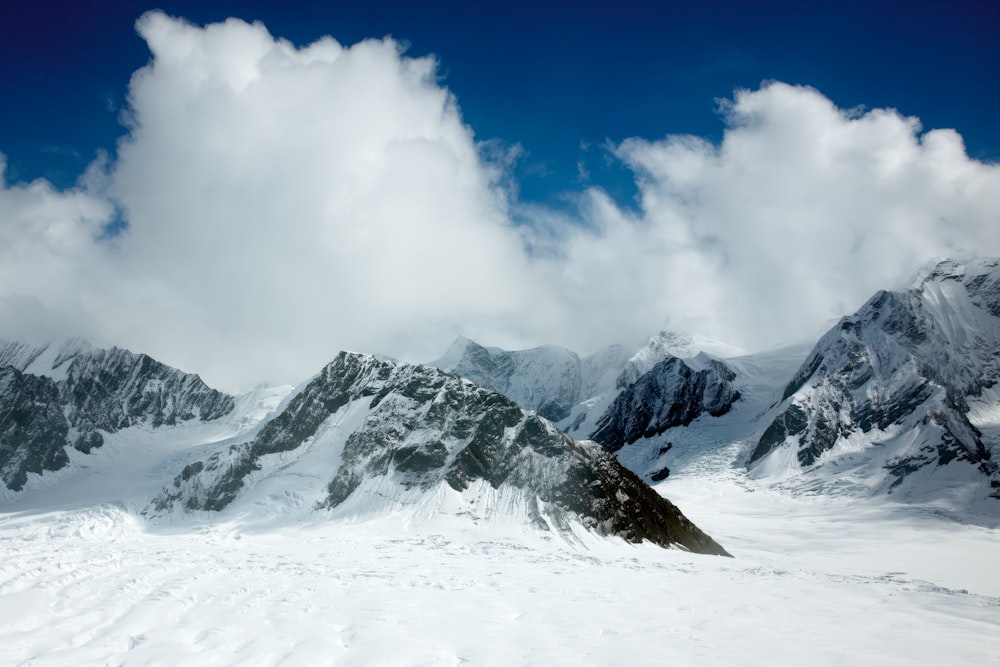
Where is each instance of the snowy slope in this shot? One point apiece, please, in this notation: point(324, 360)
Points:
point(368, 437)
point(715, 441)
point(817, 580)
point(824, 573)
point(883, 402)
point(50, 359)
point(63, 397)
point(134, 463)
point(666, 344)
point(670, 394)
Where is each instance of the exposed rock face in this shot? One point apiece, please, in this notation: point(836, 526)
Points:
point(113, 389)
point(33, 430)
point(661, 346)
point(670, 394)
point(414, 429)
point(615, 396)
point(55, 396)
point(908, 363)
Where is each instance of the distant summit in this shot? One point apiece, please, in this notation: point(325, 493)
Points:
point(900, 398)
point(549, 380)
point(615, 396)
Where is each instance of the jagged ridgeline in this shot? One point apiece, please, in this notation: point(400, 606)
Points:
point(54, 396)
point(903, 376)
point(640, 393)
point(668, 395)
point(550, 380)
point(409, 431)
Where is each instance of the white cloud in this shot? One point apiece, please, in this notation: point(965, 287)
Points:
point(47, 249)
point(284, 203)
point(799, 215)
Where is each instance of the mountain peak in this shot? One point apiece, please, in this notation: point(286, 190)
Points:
point(547, 379)
point(903, 373)
point(952, 269)
point(368, 436)
point(69, 394)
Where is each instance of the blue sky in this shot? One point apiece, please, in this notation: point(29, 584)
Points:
point(558, 78)
point(570, 174)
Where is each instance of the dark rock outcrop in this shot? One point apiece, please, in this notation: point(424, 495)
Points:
point(98, 391)
point(670, 394)
point(113, 389)
point(33, 430)
point(907, 361)
point(417, 428)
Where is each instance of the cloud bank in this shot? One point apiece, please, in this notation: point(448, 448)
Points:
point(800, 214)
point(282, 203)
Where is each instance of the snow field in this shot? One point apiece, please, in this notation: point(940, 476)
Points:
point(815, 580)
point(819, 578)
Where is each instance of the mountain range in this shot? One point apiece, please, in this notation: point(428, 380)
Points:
point(361, 438)
point(899, 399)
point(69, 395)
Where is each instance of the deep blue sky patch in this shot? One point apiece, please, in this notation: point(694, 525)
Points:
point(560, 79)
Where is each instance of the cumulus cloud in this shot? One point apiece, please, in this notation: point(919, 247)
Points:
point(798, 215)
point(285, 203)
point(281, 203)
point(48, 246)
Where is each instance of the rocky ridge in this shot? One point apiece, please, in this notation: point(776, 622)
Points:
point(396, 433)
point(54, 396)
point(617, 396)
point(901, 375)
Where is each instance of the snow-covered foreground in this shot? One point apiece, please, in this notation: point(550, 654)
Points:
point(815, 581)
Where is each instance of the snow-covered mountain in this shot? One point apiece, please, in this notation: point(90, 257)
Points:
point(70, 394)
point(667, 344)
point(616, 396)
point(900, 397)
point(550, 380)
point(669, 394)
point(367, 436)
point(259, 509)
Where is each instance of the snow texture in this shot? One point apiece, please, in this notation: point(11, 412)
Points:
point(358, 523)
point(819, 580)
